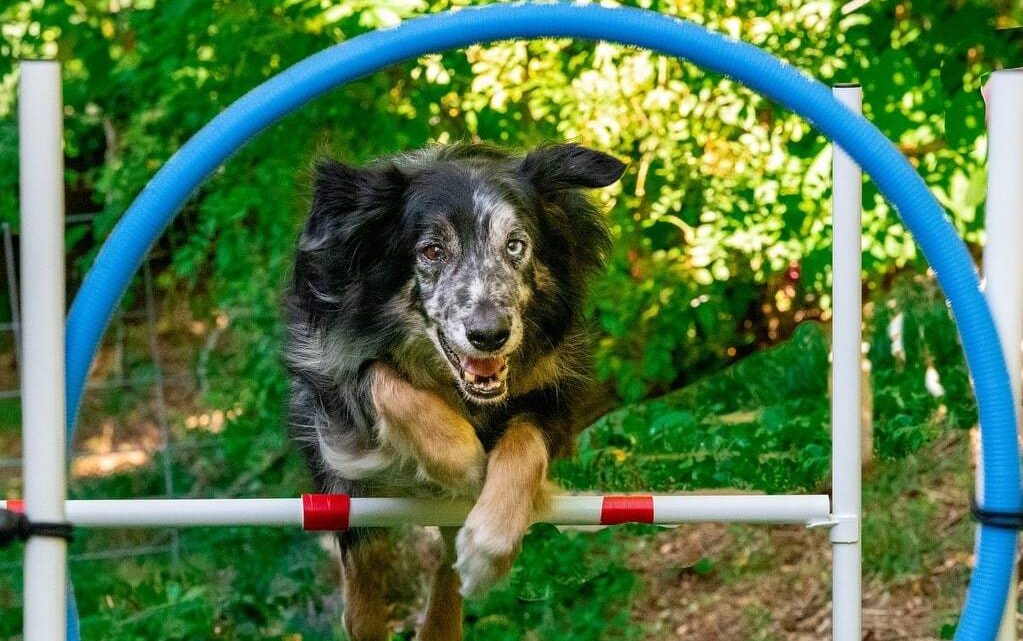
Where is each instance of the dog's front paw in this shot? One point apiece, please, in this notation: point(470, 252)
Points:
point(486, 552)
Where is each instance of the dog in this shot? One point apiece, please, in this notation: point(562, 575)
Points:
point(436, 347)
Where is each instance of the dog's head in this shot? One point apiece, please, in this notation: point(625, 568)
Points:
point(483, 254)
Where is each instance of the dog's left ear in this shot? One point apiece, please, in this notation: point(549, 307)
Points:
point(569, 166)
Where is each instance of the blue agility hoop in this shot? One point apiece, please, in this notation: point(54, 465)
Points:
point(156, 206)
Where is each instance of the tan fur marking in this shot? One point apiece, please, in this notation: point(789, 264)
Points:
point(419, 424)
point(516, 471)
point(443, 620)
point(551, 368)
point(366, 609)
point(514, 491)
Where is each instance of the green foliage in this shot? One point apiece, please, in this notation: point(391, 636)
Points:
point(272, 588)
point(762, 423)
point(906, 413)
point(895, 546)
point(570, 585)
point(721, 224)
point(722, 245)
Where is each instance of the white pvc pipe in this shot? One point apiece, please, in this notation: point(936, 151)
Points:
point(177, 512)
point(40, 124)
point(846, 287)
point(803, 509)
point(1003, 258)
point(586, 510)
point(385, 512)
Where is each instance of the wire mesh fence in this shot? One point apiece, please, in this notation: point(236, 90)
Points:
point(141, 315)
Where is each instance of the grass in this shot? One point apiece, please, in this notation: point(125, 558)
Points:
point(10, 425)
point(916, 512)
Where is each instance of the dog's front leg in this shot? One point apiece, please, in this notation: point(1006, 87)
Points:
point(514, 491)
point(422, 426)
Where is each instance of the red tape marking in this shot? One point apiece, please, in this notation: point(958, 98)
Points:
point(16, 505)
point(627, 509)
point(325, 512)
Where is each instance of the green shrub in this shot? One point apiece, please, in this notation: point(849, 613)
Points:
point(721, 224)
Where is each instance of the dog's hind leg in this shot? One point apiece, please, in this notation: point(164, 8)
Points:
point(444, 610)
point(365, 566)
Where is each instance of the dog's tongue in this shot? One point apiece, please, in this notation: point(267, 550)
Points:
point(483, 366)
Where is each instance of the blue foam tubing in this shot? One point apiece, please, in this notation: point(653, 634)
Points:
point(156, 206)
point(73, 633)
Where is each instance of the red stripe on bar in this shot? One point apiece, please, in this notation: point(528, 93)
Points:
point(16, 505)
point(325, 512)
point(627, 509)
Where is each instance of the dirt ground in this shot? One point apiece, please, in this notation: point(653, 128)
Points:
point(737, 583)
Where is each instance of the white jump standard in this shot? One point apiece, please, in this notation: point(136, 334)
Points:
point(846, 458)
point(41, 172)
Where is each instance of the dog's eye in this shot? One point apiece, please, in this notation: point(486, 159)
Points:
point(434, 253)
point(515, 247)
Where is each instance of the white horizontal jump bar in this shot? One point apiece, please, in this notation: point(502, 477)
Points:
point(384, 512)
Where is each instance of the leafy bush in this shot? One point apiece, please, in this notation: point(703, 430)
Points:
point(922, 383)
point(721, 238)
point(764, 422)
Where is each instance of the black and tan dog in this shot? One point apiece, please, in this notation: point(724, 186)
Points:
point(436, 347)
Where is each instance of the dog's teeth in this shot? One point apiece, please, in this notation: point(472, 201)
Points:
point(469, 377)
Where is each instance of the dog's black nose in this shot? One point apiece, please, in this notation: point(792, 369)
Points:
point(488, 334)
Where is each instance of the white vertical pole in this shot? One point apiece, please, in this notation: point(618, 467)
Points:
point(847, 201)
point(1003, 260)
point(40, 122)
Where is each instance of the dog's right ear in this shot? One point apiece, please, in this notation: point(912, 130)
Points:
point(335, 193)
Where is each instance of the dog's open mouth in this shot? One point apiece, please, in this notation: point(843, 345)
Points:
point(482, 379)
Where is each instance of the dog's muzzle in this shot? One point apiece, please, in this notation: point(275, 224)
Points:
point(482, 379)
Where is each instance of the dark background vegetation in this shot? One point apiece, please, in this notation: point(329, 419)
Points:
point(710, 322)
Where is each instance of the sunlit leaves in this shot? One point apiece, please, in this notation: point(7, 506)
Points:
point(726, 197)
